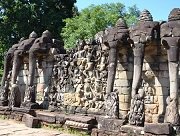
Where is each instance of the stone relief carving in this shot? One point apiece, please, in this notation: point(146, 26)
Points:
point(83, 78)
point(145, 32)
point(116, 39)
point(170, 39)
point(79, 77)
point(8, 64)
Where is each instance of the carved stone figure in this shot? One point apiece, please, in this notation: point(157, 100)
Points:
point(112, 105)
point(116, 39)
point(19, 54)
point(7, 68)
point(9, 61)
point(141, 35)
point(40, 47)
point(170, 39)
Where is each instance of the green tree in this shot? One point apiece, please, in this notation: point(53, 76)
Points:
point(94, 19)
point(18, 18)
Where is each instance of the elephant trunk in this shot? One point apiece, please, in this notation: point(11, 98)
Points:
point(172, 113)
point(173, 77)
point(138, 63)
point(112, 66)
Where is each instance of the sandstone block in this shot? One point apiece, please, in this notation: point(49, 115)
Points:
point(156, 118)
point(125, 90)
point(162, 104)
point(60, 119)
point(163, 66)
point(82, 119)
point(162, 90)
point(122, 66)
point(46, 117)
point(151, 50)
point(110, 124)
point(124, 106)
point(123, 112)
point(22, 80)
point(41, 87)
point(130, 67)
point(164, 82)
point(151, 108)
point(152, 66)
point(162, 58)
point(149, 59)
point(158, 129)
point(123, 58)
point(122, 82)
point(164, 73)
point(137, 131)
point(125, 75)
point(31, 121)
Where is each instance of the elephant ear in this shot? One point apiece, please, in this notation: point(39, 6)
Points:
point(165, 43)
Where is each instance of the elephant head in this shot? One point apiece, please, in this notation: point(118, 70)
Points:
point(170, 39)
point(116, 38)
point(144, 33)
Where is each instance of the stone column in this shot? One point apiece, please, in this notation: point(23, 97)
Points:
point(170, 39)
point(112, 66)
point(141, 35)
point(116, 39)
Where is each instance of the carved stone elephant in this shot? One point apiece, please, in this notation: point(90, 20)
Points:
point(170, 39)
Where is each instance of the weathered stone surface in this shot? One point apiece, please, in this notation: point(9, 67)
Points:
point(124, 106)
point(23, 110)
point(162, 82)
point(125, 75)
point(158, 129)
point(82, 119)
point(152, 66)
point(46, 116)
point(31, 121)
point(163, 66)
point(122, 82)
point(4, 108)
point(60, 118)
point(79, 125)
point(112, 105)
point(110, 124)
point(124, 90)
point(162, 91)
point(124, 98)
point(132, 129)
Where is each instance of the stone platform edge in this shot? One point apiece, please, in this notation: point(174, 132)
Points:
point(96, 125)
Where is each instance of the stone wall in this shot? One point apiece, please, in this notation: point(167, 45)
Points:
point(123, 75)
point(79, 80)
point(155, 83)
point(43, 75)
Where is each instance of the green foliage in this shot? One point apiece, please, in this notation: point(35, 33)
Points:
point(18, 18)
point(94, 19)
point(2, 54)
point(68, 130)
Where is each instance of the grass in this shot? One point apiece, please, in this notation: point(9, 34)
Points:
point(57, 127)
point(73, 131)
point(4, 117)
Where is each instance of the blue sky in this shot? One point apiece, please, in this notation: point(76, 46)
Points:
point(159, 9)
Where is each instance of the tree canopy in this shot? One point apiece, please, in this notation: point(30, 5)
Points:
point(18, 18)
point(94, 19)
